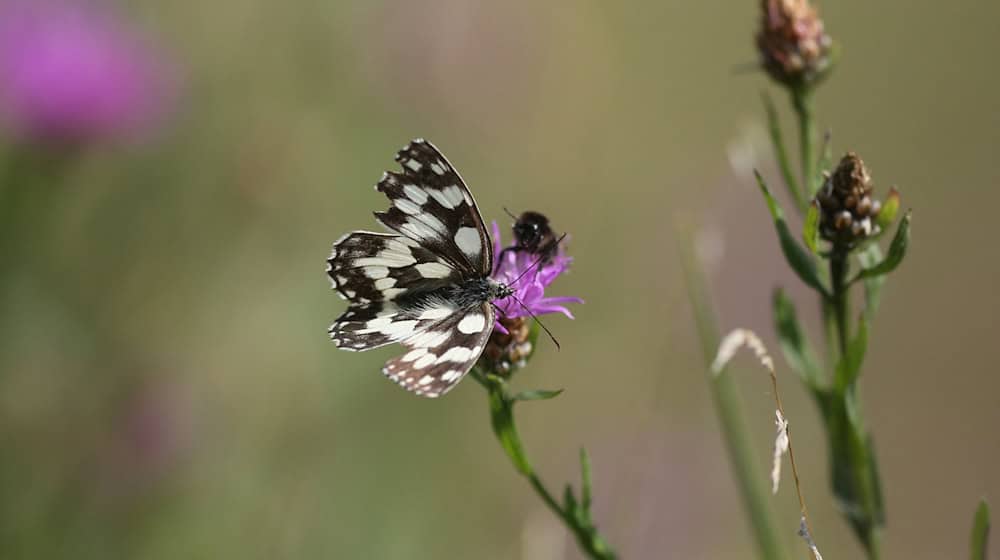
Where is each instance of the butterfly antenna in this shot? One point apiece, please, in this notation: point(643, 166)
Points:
point(538, 260)
point(537, 320)
point(497, 309)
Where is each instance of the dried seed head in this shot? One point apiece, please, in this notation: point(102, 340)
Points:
point(846, 205)
point(794, 47)
point(506, 353)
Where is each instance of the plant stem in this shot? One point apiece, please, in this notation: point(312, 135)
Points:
point(802, 100)
point(778, 144)
point(838, 280)
point(502, 416)
point(729, 409)
point(846, 391)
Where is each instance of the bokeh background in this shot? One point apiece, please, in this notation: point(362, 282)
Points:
point(174, 173)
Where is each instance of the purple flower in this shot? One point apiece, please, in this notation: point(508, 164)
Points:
point(518, 270)
point(71, 71)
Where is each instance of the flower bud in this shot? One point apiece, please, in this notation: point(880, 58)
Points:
point(794, 48)
point(848, 212)
point(506, 353)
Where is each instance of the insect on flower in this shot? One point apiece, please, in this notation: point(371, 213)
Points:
point(431, 285)
point(533, 234)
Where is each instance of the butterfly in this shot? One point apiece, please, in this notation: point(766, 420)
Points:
point(426, 284)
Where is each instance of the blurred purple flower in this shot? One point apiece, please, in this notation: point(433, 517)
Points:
point(512, 269)
point(72, 71)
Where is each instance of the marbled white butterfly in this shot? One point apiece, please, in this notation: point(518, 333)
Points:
point(427, 285)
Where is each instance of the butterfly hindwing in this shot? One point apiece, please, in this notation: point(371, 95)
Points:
point(364, 326)
point(442, 353)
point(366, 267)
point(432, 206)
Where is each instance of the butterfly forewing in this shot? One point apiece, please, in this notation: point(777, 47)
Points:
point(441, 354)
point(432, 206)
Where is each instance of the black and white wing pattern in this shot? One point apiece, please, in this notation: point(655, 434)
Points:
point(442, 353)
point(432, 206)
point(427, 285)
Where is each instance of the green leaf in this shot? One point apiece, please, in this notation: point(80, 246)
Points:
point(897, 250)
point(890, 207)
point(980, 531)
point(810, 227)
point(801, 262)
point(536, 395)
point(778, 143)
point(854, 472)
point(876, 476)
point(793, 342)
point(585, 486)
point(569, 500)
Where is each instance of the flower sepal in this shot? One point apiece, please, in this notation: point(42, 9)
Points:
point(507, 352)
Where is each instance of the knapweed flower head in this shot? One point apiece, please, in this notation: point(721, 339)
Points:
point(71, 71)
point(848, 212)
point(528, 276)
point(794, 48)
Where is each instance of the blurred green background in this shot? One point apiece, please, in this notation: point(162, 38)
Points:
point(167, 388)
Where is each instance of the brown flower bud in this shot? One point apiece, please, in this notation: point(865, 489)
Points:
point(846, 205)
point(794, 47)
point(506, 353)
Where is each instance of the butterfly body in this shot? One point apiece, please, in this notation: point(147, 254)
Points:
point(426, 284)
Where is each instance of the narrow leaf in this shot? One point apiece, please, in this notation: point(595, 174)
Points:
point(876, 484)
point(854, 472)
point(897, 250)
point(536, 395)
point(810, 227)
point(801, 261)
point(793, 342)
point(585, 494)
point(569, 500)
point(980, 531)
point(778, 143)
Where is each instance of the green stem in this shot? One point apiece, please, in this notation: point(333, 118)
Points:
point(778, 144)
point(845, 391)
point(802, 100)
point(502, 416)
point(838, 279)
point(739, 445)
